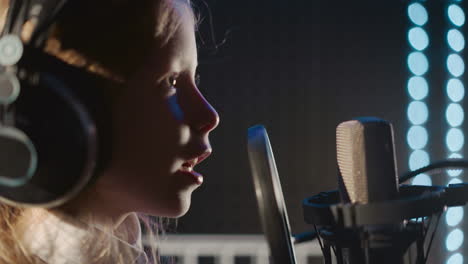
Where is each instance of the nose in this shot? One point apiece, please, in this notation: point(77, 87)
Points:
point(201, 115)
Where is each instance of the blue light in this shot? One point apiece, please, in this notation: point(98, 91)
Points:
point(455, 259)
point(417, 137)
point(418, 88)
point(417, 113)
point(418, 38)
point(454, 115)
point(454, 172)
point(418, 159)
point(455, 139)
point(454, 215)
point(417, 63)
point(455, 181)
point(422, 179)
point(418, 14)
point(456, 15)
point(454, 240)
point(456, 40)
point(455, 65)
point(455, 90)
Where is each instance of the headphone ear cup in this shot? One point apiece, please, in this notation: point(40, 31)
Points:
point(64, 137)
point(18, 158)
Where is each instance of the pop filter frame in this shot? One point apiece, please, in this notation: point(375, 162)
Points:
point(272, 208)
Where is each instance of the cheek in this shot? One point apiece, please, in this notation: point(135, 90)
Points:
point(148, 132)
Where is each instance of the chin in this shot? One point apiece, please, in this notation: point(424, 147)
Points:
point(175, 207)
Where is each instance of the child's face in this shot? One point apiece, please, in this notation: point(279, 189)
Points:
point(157, 129)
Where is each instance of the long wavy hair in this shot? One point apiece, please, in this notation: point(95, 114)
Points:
point(96, 37)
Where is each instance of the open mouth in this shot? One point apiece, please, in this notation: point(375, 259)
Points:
point(187, 167)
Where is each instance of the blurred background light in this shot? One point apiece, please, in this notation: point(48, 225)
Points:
point(455, 90)
point(455, 65)
point(418, 112)
point(422, 179)
point(418, 38)
point(418, 87)
point(454, 172)
point(454, 240)
point(417, 14)
point(455, 139)
point(456, 15)
point(456, 258)
point(417, 137)
point(417, 63)
point(454, 215)
point(454, 115)
point(418, 159)
point(454, 181)
point(456, 40)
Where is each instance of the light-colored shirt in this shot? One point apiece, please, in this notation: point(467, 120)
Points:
point(58, 239)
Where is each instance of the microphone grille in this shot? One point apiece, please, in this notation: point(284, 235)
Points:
point(351, 161)
point(366, 160)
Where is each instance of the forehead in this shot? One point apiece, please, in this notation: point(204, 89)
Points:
point(180, 51)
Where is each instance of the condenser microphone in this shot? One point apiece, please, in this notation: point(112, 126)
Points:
point(366, 161)
point(368, 174)
point(371, 219)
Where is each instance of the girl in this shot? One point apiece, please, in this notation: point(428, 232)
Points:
point(160, 129)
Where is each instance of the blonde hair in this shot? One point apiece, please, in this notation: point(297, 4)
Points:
point(94, 43)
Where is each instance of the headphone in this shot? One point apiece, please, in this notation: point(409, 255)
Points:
point(54, 118)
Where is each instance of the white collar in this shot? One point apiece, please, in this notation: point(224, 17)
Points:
point(57, 239)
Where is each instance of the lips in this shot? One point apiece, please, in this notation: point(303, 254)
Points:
point(198, 158)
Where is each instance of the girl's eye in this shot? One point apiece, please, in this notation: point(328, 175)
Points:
point(171, 85)
point(172, 81)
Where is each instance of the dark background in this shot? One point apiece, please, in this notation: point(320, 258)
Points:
point(300, 68)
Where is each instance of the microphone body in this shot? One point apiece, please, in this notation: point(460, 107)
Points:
point(368, 174)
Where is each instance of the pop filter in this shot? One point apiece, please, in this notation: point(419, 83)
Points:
point(272, 209)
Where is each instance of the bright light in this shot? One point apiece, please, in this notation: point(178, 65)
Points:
point(456, 40)
point(422, 179)
point(454, 215)
point(418, 159)
point(417, 137)
point(418, 14)
point(455, 139)
point(455, 90)
point(455, 65)
point(454, 240)
point(454, 172)
point(455, 181)
point(456, 15)
point(455, 259)
point(418, 38)
point(454, 115)
point(417, 112)
point(417, 63)
point(418, 88)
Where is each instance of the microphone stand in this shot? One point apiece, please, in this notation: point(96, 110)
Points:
point(381, 232)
